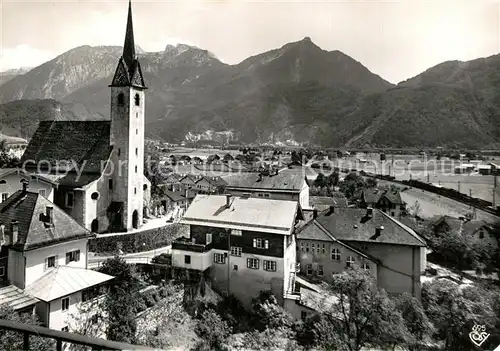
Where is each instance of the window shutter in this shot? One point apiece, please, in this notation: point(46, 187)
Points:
point(248, 261)
point(78, 255)
point(56, 261)
point(254, 242)
point(215, 255)
point(266, 244)
point(67, 257)
point(46, 263)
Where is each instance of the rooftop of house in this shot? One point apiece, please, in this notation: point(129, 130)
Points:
point(69, 144)
point(246, 213)
point(461, 226)
point(287, 181)
point(214, 181)
point(373, 195)
point(354, 224)
point(64, 280)
point(34, 229)
point(316, 296)
point(16, 298)
point(322, 203)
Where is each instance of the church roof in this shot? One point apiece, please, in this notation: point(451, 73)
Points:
point(69, 146)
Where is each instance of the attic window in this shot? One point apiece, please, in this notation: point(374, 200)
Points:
point(121, 99)
point(137, 99)
point(95, 195)
point(145, 187)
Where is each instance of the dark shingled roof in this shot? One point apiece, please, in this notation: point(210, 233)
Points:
point(286, 181)
point(29, 210)
point(84, 143)
point(214, 181)
point(393, 196)
point(459, 226)
point(322, 203)
point(372, 195)
point(352, 224)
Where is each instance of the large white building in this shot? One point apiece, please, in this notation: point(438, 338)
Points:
point(43, 260)
point(99, 165)
point(242, 245)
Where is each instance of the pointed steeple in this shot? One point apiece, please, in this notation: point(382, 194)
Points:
point(129, 45)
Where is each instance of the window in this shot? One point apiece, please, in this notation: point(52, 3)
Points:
point(302, 248)
point(270, 266)
point(349, 262)
point(136, 131)
point(51, 262)
point(236, 232)
point(119, 152)
point(145, 187)
point(303, 315)
point(320, 270)
point(208, 238)
point(266, 195)
point(236, 251)
point(323, 249)
point(137, 99)
point(65, 303)
point(393, 214)
point(309, 268)
point(187, 259)
point(137, 151)
point(136, 115)
point(110, 184)
point(253, 263)
point(481, 234)
point(261, 243)
point(365, 266)
point(95, 195)
point(70, 199)
point(41, 192)
point(235, 267)
point(307, 247)
point(2, 271)
point(65, 329)
point(121, 99)
point(135, 169)
point(335, 254)
point(219, 258)
point(135, 191)
point(5, 196)
point(313, 247)
point(73, 256)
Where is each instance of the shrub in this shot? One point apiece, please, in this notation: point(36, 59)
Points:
point(138, 242)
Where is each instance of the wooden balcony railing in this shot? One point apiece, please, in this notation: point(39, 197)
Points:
point(60, 337)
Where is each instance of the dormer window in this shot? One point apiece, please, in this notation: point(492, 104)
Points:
point(70, 199)
point(121, 99)
point(137, 99)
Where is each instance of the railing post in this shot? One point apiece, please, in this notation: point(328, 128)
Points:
point(26, 341)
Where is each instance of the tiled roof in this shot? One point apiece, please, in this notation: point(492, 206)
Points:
point(372, 195)
point(261, 215)
point(214, 181)
point(352, 224)
point(174, 196)
point(393, 196)
point(63, 280)
point(84, 143)
point(460, 226)
point(286, 181)
point(322, 203)
point(29, 209)
point(14, 297)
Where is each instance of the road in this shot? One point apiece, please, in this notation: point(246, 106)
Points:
point(136, 257)
point(432, 205)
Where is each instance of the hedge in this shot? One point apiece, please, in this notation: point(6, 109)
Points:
point(138, 242)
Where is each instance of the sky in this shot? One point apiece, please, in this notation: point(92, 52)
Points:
point(394, 39)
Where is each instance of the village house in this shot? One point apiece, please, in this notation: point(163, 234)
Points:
point(343, 237)
point(210, 185)
point(290, 186)
point(477, 230)
point(99, 165)
point(12, 179)
point(241, 245)
point(188, 181)
point(387, 200)
point(44, 259)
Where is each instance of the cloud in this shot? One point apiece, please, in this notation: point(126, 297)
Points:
point(23, 56)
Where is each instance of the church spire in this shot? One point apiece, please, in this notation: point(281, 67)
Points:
point(129, 45)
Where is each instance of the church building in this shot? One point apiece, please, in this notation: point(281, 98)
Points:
point(98, 166)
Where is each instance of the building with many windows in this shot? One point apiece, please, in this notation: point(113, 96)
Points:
point(241, 245)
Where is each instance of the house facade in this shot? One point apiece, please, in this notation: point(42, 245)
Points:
point(477, 230)
point(11, 180)
point(44, 255)
point(393, 253)
point(99, 165)
point(240, 245)
point(287, 186)
point(209, 185)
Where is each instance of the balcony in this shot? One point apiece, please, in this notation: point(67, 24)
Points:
point(186, 245)
point(62, 337)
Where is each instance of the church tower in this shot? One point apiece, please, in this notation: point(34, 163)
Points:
point(127, 135)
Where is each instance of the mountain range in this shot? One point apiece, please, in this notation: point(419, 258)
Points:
point(298, 93)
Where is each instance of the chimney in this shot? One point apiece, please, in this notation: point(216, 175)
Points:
point(49, 211)
point(186, 193)
point(228, 200)
point(331, 210)
point(378, 232)
point(14, 231)
point(369, 212)
point(315, 213)
point(25, 185)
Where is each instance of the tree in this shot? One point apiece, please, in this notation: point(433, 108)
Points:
point(89, 320)
point(267, 313)
point(13, 341)
point(320, 180)
point(363, 315)
point(212, 328)
point(415, 210)
point(453, 248)
point(351, 184)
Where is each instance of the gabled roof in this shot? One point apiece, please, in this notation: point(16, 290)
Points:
point(352, 224)
point(261, 215)
point(284, 181)
point(372, 195)
point(29, 210)
point(64, 280)
point(174, 195)
point(460, 226)
point(82, 144)
point(322, 203)
point(214, 181)
point(393, 196)
point(189, 177)
point(16, 298)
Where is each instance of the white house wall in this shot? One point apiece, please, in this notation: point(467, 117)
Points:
point(13, 184)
